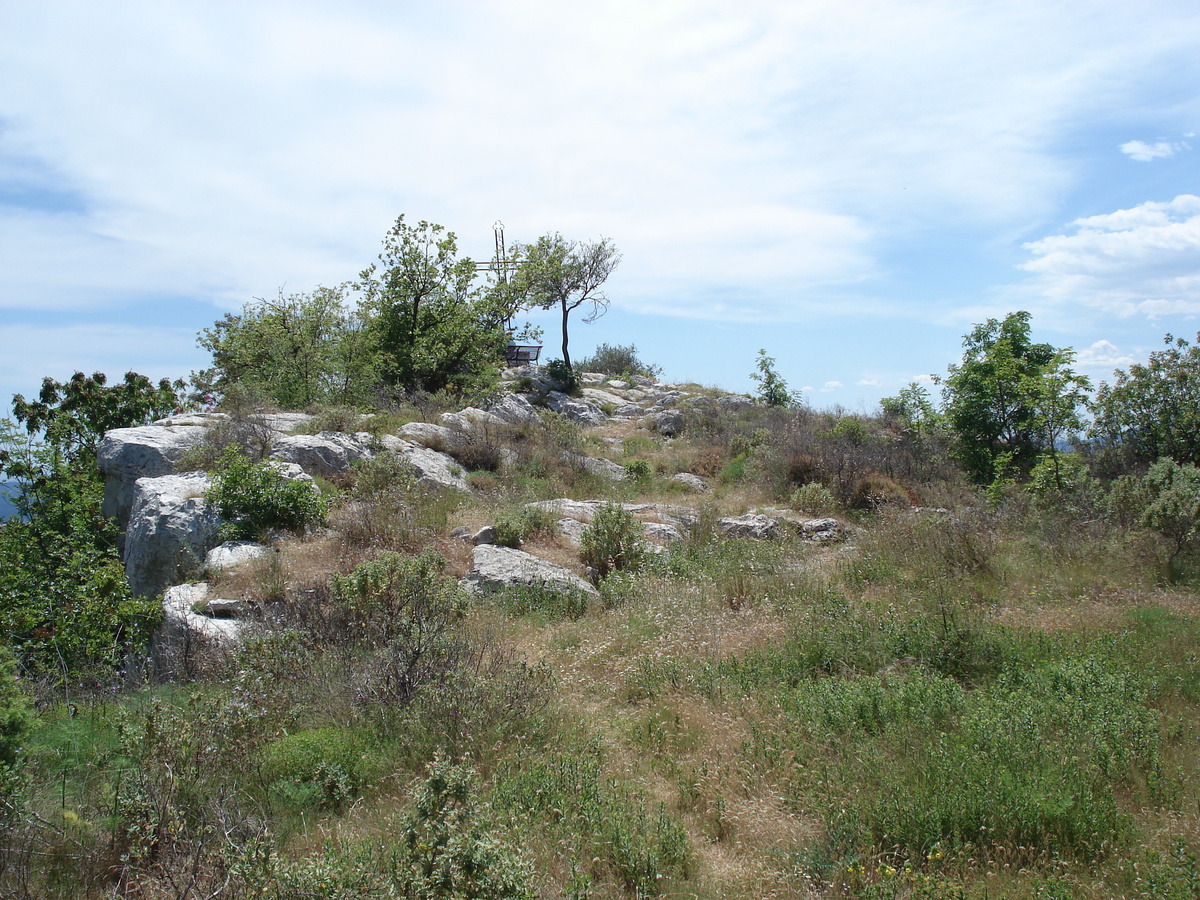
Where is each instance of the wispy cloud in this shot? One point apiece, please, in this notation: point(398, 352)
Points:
point(1144, 260)
point(1102, 355)
point(1143, 152)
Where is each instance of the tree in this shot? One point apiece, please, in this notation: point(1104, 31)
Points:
point(433, 327)
point(772, 389)
point(1153, 410)
point(65, 606)
point(553, 271)
point(73, 415)
point(295, 350)
point(1009, 399)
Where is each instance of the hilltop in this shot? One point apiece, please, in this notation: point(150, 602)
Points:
point(649, 639)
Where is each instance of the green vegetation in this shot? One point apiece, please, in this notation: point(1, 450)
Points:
point(988, 688)
point(255, 497)
point(772, 389)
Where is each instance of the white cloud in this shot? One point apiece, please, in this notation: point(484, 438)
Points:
point(830, 386)
point(869, 382)
point(1102, 355)
point(1143, 152)
point(740, 155)
point(1144, 260)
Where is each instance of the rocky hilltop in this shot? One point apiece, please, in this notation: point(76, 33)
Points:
point(171, 531)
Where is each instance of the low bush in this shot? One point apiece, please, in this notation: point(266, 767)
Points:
point(599, 829)
point(547, 601)
point(614, 540)
point(617, 360)
point(403, 610)
point(255, 497)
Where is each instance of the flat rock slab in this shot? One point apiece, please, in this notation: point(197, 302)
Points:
point(495, 568)
point(327, 453)
point(585, 511)
point(233, 553)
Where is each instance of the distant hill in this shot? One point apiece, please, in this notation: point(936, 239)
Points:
point(6, 505)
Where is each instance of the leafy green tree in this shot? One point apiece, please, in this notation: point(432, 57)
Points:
point(1009, 399)
point(65, 606)
point(64, 602)
point(72, 416)
point(554, 272)
point(295, 350)
point(912, 408)
point(1153, 410)
point(772, 389)
point(1173, 507)
point(434, 328)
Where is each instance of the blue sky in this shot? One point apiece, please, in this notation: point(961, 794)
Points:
point(847, 185)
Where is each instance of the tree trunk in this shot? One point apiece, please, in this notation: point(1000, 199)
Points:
point(566, 355)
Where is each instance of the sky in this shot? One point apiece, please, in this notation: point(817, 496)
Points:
point(847, 185)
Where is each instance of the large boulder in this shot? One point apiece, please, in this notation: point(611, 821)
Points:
point(171, 528)
point(601, 468)
point(127, 454)
point(435, 437)
point(513, 409)
point(752, 525)
point(325, 454)
point(195, 631)
point(432, 468)
point(500, 567)
point(580, 411)
point(231, 554)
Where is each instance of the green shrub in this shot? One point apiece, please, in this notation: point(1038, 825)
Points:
point(1173, 509)
point(15, 721)
point(562, 377)
point(254, 497)
point(332, 418)
point(813, 498)
point(515, 526)
point(403, 609)
point(614, 540)
point(615, 360)
point(447, 852)
point(637, 469)
point(319, 767)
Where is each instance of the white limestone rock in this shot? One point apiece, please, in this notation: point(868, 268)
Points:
point(127, 454)
point(499, 567)
point(233, 553)
point(602, 468)
point(435, 437)
point(171, 528)
point(578, 410)
point(694, 483)
point(752, 525)
point(327, 453)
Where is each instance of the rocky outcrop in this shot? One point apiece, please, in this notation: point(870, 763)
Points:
point(328, 453)
point(127, 454)
point(578, 410)
point(195, 631)
point(694, 483)
point(601, 468)
point(667, 422)
point(170, 530)
point(496, 568)
point(432, 468)
point(752, 525)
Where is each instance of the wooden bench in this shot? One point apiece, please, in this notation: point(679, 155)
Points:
point(522, 354)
